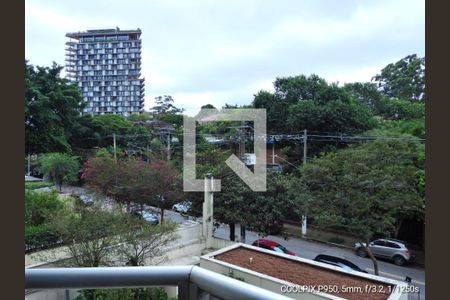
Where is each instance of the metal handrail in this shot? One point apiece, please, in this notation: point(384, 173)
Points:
point(191, 281)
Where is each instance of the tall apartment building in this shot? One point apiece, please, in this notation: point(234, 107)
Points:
point(106, 65)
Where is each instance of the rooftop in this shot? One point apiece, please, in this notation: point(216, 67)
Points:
point(105, 32)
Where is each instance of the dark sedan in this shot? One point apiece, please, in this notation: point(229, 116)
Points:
point(338, 262)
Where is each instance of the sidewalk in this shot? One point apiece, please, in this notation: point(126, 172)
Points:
point(335, 239)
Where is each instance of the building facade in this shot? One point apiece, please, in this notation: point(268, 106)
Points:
point(106, 65)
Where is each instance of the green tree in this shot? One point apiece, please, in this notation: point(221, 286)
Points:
point(60, 168)
point(166, 111)
point(139, 117)
point(311, 103)
point(52, 109)
point(367, 189)
point(90, 234)
point(40, 206)
point(138, 138)
point(144, 243)
point(366, 93)
point(404, 79)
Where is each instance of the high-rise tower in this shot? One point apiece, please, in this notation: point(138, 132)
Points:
point(106, 65)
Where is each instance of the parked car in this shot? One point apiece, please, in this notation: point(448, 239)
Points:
point(338, 262)
point(182, 207)
point(271, 245)
point(85, 199)
point(276, 168)
point(147, 216)
point(396, 250)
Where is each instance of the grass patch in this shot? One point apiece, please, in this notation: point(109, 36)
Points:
point(32, 185)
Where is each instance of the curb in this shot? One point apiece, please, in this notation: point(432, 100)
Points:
point(320, 241)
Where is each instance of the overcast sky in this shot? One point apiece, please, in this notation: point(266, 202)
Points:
point(221, 52)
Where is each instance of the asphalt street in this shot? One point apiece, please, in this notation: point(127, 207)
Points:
point(310, 249)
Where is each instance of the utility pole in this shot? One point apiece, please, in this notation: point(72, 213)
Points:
point(168, 145)
point(273, 150)
point(115, 149)
point(242, 158)
point(305, 141)
point(208, 215)
point(304, 217)
point(28, 164)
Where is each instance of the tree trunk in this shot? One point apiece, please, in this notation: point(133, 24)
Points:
point(375, 263)
point(232, 231)
point(162, 215)
point(242, 233)
point(128, 206)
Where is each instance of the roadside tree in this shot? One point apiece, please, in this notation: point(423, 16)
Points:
point(60, 168)
point(366, 190)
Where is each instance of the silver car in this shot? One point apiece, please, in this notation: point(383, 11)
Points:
point(395, 250)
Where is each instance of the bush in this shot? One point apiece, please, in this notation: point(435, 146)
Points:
point(40, 237)
point(30, 185)
point(60, 168)
point(39, 206)
point(124, 294)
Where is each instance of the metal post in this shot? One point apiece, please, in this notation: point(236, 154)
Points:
point(305, 140)
point(28, 164)
point(273, 151)
point(168, 146)
point(114, 145)
point(304, 217)
point(208, 215)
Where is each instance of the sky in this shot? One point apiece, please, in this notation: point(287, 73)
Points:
point(216, 52)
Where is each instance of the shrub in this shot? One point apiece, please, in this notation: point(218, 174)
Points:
point(37, 185)
point(124, 294)
point(60, 168)
point(39, 206)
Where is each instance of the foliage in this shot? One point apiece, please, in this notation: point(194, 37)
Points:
point(404, 79)
point(397, 109)
point(166, 111)
point(109, 124)
point(33, 185)
point(139, 117)
point(144, 243)
point(133, 180)
point(52, 109)
point(366, 93)
point(157, 184)
point(124, 294)
point(40, 206)
point(60, 168)
point(89, 234)
point(368, 190)
point(414, 127)
point(311, 103)
point(139, 138)
point(164, 105)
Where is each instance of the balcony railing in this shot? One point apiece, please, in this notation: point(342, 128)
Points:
point(193, 282)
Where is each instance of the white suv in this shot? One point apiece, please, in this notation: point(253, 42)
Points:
point(395, 250)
